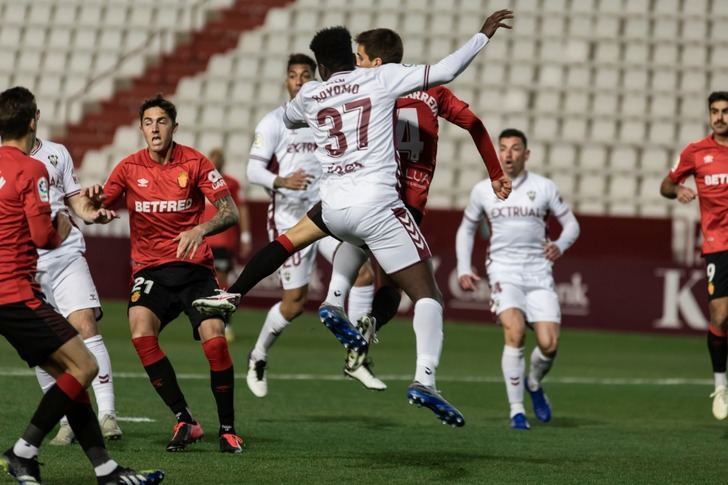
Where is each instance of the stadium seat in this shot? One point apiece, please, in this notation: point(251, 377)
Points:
point(623, 159)
point(562, 157)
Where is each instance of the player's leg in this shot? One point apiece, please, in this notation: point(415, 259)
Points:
point(223, 261)
point(261, 265)
point(361, 294)
point(43, 337)
point(717, 276)
point(513, 362)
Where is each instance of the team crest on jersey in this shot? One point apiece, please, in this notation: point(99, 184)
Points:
point(531, 194)
point(43, 189)
point(708, 159)
point(53, 159)
point(182, 179)
point(135, 296)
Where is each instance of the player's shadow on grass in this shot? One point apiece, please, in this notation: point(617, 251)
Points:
point(566, 422)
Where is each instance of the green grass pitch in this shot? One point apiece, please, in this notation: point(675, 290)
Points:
point(627, 409)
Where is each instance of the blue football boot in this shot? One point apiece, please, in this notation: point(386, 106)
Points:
point(519, 421)
point(541, 405)
point(336, 320)
point(428, 397)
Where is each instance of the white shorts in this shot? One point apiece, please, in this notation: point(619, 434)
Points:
point(389, 232)
point(68, 286)
point(534, 294)
point(297, 270)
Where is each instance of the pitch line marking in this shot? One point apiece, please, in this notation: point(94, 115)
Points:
point(600, 381)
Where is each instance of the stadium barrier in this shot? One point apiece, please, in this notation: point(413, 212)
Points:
point(620, 275)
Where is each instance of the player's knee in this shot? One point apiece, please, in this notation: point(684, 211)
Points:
point(291, 309)
point(365, 276)
point(88, 368)
point(550, 347)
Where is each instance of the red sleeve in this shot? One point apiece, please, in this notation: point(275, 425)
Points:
point(210, 181)
point(458, 113)
point(34, 190)
point(115, 185)
point(684, 167)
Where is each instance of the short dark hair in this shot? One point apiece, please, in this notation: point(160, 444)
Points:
point(332, 48)
point(717, 96)
point(383, 43)
point(301, 59)
point(159, 101)
point(514, 133)
point(17, 108)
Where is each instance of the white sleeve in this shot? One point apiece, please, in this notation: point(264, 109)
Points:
point(294, 114)
point(70, 180)
point(569, 224)
point(466, 232)
point(401, 79)
point(569, 231)
point(267, 137)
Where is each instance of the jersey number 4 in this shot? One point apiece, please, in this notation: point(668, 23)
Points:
point(408, 134)
point(332, 119)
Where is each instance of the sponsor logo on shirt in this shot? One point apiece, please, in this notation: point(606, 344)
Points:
point(716, 179)
point(162, 205)
point(216, 179)
point(301, 148)
point(708, 159)
point(43, 189)
point(143, 182)
point(182, 179)
point(515, 212)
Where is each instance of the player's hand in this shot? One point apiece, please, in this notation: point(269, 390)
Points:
point(245, 250)
point(468, 282)
point(502, 187)
point(63, 225)
point(685, 194)
point(551, 251)
point(495, 21)
point(189, 241)
point(103, 216)
point(298, 180)
point(95, 193)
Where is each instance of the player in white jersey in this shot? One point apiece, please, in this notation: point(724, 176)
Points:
point(351, 116)
point(282, 161)
point(65, 279)
point(519, 269)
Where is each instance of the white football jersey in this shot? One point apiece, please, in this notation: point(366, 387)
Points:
point(518, 224)
point(284, 152)
point(352, 115)
point(63, 184)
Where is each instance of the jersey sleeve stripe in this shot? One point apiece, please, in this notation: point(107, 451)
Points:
point(259, 158)
point(426, 84)
point(72, 193)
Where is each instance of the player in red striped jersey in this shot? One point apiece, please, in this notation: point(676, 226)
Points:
point(417, 135)
point(707, 161)
point(41, 336)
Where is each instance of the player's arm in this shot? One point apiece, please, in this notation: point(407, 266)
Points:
point(267, 137)
point(672, 186)
point(226, 216)
point(462, 116)
point(34, 191)
point(569, 227)
point(467, 276)
point(400, 79)
point(82, 205)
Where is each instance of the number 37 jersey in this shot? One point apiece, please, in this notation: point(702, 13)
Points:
point(352, 116)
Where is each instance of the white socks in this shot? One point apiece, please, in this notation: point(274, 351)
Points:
point(540, 366)
point(103, 383)
point(23, 449)
point(274, 324)
point(427, 323)
point(347, 261)
point(720, 379)
point(360, 302)
point(513, 364)
point(105, 468)
point(338, 289)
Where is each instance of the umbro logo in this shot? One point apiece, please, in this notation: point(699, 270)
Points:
point(708, 159)
point(143, 182)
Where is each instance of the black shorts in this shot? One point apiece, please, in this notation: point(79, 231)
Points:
point(223, 259)
point(716, 271)
point(35, 329)
point(170, 289)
